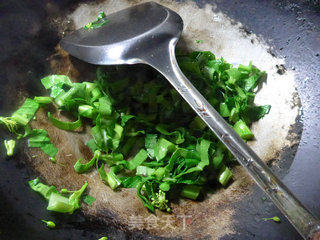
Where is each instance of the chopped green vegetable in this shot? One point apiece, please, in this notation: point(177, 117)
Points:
point(50, 224)
point(40, 138)
point(191, 191)
point(43, 100)
point(143, 134)
point(69, 126)
point(22, 116)
point(275, 219)
point(56, 201)
point(59, 203)
point(137, 160)
point(89, 200)
point(100, 21)
point(81, 168)
point(56, 81)
point(41, 188)
point(199, 41)
point(10, 144)
point(264, 198)
point(243, 130)
point(26, 112)
point(225, 176)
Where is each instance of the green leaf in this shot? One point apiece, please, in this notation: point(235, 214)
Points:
point(56, 201)
point(150, 143)
point(144, 200)
point(81, 168)
point(87, 111)
point(145, 171)
point(131, 182)
point(43, 100)
point(177, 136)
point(162, 148)
point(254, 113)
point(89, 200)
point(225, 176)
point(74, 199)
point(26, 112)
point(204, 156)
point(105, 105)
point(59, 203)
point(40, 138)
point(42, 189)
point(125, 119)
point(68, 126)
point(140, 157)
point(51, 81)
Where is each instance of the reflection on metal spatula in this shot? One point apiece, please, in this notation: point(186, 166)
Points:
point(148, 34)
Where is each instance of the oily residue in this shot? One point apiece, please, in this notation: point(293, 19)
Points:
point(211, 218)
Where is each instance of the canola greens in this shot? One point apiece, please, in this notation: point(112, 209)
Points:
point(143, 134)
point(57, 202)
point(149, 138)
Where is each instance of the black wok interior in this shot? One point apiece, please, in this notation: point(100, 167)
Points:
point(28, 37)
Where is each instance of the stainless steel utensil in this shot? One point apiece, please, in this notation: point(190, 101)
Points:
point(148, 34)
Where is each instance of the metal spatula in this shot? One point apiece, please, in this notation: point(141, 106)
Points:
point(148, 34)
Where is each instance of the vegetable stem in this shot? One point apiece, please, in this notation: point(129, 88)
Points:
point(10, 145)
point(191, 191)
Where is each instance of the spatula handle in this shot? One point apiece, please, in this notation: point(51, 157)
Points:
point(304, 221)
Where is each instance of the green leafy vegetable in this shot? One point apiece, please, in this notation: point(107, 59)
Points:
point(69, 126)
point(89, 200)
point(26, 112)
point(224, 176)
point(56, 201)
point(144, 135)
point(191, 191)
point(100, 21)
point(43, 100)
point(81, 168)
point(53, 81)
point(22, 116)
point(10, 145)
point(49, 224)
point(40, 138)
point(42, 189)
point(137, 160)
point(243, 130)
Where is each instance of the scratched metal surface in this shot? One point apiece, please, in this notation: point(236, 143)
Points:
point(27, 61)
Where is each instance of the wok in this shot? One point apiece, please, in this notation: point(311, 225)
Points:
point(32, 30)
